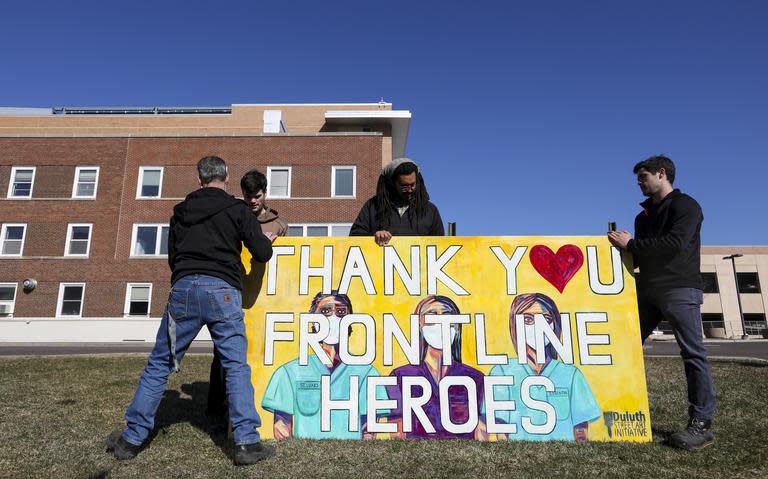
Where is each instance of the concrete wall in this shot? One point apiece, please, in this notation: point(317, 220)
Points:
point(755, 260)
point(108, 330)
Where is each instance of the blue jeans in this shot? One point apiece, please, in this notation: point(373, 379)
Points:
point(197, 300)
point(681, 307)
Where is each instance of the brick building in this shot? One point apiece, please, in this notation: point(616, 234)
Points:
point(86, 195)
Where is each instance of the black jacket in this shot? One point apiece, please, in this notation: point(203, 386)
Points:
point(667, 243)
point(206, 236)
point(430, 224)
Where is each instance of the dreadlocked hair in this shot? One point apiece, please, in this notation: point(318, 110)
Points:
point(387, 194)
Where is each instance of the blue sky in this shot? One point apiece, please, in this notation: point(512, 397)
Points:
point(527, 116)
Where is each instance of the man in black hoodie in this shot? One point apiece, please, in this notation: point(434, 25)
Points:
point(401, 206)
point(207, 231)
point(667, 249)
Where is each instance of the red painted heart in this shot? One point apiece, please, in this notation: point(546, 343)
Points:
point(558, 268)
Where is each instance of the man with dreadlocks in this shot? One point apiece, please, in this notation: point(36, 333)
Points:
point(401, 206)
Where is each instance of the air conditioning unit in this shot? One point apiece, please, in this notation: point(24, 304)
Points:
point(6, 309)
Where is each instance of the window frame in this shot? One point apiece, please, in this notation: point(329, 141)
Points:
point(14, 170)
point(757, 281)
point(70, 227)
point(707, 318)
point(127, 303)
point(76, 182)
point(749, 323)
point(142, 170)
point(327, 231)
point(3, 232)
point(716, 283)
point(329, 227)
point(354, 181)
point(60, 301)
point(270, 169)
point(13, 302)
point(135, 233)
point(295, 226)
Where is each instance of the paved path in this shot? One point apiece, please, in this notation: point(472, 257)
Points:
point(69, 349)
point(753, 348)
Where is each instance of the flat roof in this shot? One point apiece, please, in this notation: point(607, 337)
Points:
point(313, 104)
point(399, 121)
point(734, 249)
point(163, 110)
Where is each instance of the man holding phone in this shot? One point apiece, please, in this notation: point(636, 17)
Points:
point(667, 249)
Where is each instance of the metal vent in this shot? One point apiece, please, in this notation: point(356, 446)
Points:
point(182, 110)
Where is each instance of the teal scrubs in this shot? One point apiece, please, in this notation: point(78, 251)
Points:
point(572, 399)
point(294, 389)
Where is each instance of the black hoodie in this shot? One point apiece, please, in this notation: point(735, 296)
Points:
point(667, 244)
point(431, 224)
point(207, 231)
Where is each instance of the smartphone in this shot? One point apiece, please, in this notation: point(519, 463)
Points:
point(611, 226)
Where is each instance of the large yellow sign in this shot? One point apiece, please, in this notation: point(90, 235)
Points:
point(491, 338)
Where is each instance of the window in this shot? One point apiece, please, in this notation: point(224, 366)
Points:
point(86, 182)
point(70, 299)
point(150, 182)
point(7, 299)
point(22, 180)
point(149, 240)
point(343, 181)
point(754, 323)
point(748, 282)
point(12, 239)
point(663, 328)
point(78, 239)
point(317, 230)
point(710, 282)
point(279, 182)
point(339, 229)
point(713, 325)
point(137, 299)
point(712, 318)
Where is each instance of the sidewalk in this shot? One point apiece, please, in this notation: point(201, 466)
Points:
point(73, 349)
point(665, 345)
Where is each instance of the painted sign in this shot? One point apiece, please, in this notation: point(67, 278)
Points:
point(488, 338)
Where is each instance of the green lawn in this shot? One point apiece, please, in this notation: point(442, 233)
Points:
point(56, 412)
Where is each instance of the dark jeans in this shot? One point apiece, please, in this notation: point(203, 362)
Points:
point(217, 388)
point(195, 301)
point(681, 307)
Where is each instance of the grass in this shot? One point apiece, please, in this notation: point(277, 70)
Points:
point(56, 412)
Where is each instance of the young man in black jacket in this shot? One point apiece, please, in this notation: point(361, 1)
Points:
point(204, 244)
point(667, 250)
point(401, 206)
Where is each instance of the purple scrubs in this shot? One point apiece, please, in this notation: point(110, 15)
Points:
point(459, 400)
